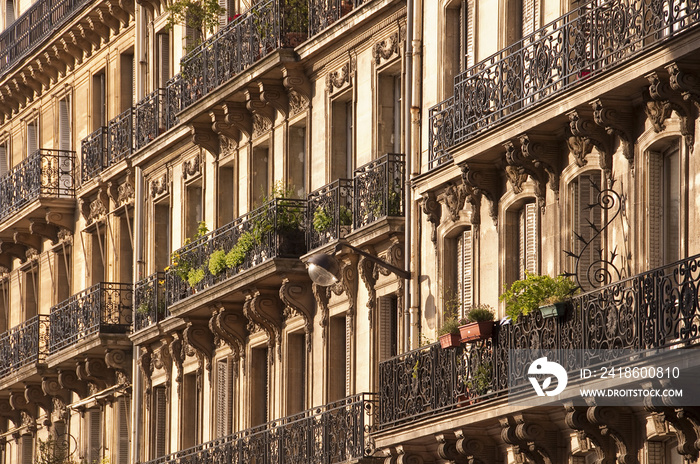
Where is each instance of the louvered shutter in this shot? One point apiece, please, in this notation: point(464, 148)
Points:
point(159, 421)
point(64, 129)
point(527, 240)
point(27, 449)
point(223, 17)
point(163, 59)
point(9, 13)
point(3, 160)
point(122, 430)
point(94, 418)
point(655, 212)
point(32, 137)
point(530, 16)
point(465, 269)
point(587, 215)
point(671, 206)
point(223, 399)
point(385, 334)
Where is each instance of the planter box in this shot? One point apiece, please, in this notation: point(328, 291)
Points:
point(475, 331)
point(553, 310)
point(449, 341)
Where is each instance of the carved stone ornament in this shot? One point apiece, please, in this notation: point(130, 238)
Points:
point(297, 103)
point(616, 119)
point(338, 79)
point(368, 274)
point(684, 82)
point(97, 209)
point(298, 300)
point(263, 311)
point(176, 347)
point(607, 428)
point(322, 295)
point(163, 360)
point(481, 182)
point(585, 134)
point(159, 186)
point(191, 168)
point(263, 113)
point(201, 340)
point(686, 427)
point(261, 125)
point(348, 284)
point(227, 145)
point(660, 100)
point(68, 379)
point(519, 167)
point(298, 88)
point(386, 49)
point(228, 326)
point(146, 366)
point(527, 439)
point(433, 210)
point(119, 360)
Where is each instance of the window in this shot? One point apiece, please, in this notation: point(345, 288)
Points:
point(584, 191)
point(465, 277)
point(163, 58)
point(32, 136)
point(260, 378)
point(190, 435)
point(522, 235)
point(62, 269)
point(388, 327)
point(4, 302)
point(160, 233)
point(122, 438)
point(125, 265)
point(296, 176)
point(93, 437)
point(160, 422)
point(5, 163)
point(193, 207)
point(99, 100)
point(337, 358)
point(665, 227)
point(224, 397)
point(389, 117)
point(64, 125)
point(30, 294)
point(98, 252)
point(127, 81)
point(10, 14)
point(458, 42)
point(26, 449)
point(260, 176)
point(342, 133)
point(296, 372)
point(226, 194)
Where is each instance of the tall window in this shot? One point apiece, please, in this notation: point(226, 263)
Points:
point(93, 435)
point(126, 81)
point(226, 194)
point(261, 171)
point(191, 412)
point(259, 387)
point(465, 273)
point(62, 272)
point(98, 254)
point(163, 58)
point(5, 163)
point(224, 397)
point(26, 449)
point(30, 293)
point(32, 136)
point(342, 135)
point(64, 126)
point(123, 227)
point(122, 438)
point(665, 227)
point(337, 358)
point(99, 100)
point(296, 372)
point(389, 113)
point(193, 207)
point(458, 45)
point(584, 191)
point(388, 327)
point(160, 422)
point(296, 176)
point(160, 231)
point(527, 239)
point(10, 14)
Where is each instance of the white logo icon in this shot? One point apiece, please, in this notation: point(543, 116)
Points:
point(550, 368)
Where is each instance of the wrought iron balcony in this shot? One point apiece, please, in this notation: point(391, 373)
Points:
point(587, 41)
point(323, 13)
point(657, 309)
point(329, 213)
point(334, 433)
point(94, 154)
point(36, 24)
point(149, 298)
point(151, 120)
point(379, 190)
point(24, 344)
point(102, 308)
point(120, 136)
point(43, 174)
point(274, 230)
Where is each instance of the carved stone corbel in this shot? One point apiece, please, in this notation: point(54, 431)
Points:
point(14, 250)
point(263, 114)
point(518, 167)
point(95, 370)
point(275, 96)
point(228, 326)
point(43, 229)
point(118, 12)
point(204, 137)
point(368, 274)
point(8, 412)
point(348, 284)
point(33, 394)
point(109, 20)
point(433, 210)
point(80, 42)
point(526, 438)
point(543, 153)
point(586, 134)
point(477, 449)
point(120, 362)
point(223, 128)
point(90, 37)
point(36, 74)
point(684, 82)
point(27, 240)
point(98, 27)
point(29, 81)
point(72, 49)
point(237, 115)
point(50, 386)
point(616, 119)
point(322, 295)
point(20, 403)
point(660, 101)
point(163, 360)
point(298, 300)
point(146, 367)
point(178, 356)
point(263, 311)
point(198, 336)
point(686, 427)
point(298, 87)
point(96, 209)
point(598, 424)
point(454, 197)
point(483, 181)
point(446, 448)
point(70, 381)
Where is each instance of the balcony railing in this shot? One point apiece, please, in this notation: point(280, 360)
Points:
point(36, 24)
point(43, 174)
point(120, 135)
point(323, 13)
point(379, 190)
point(24, 344)
point(274, 230)
point(102, 308)
point(334, 433)
point(151, 118)
point(329, 213)
point(590, 40)
point(149, 298)
point(657, 309)
point(94, 154)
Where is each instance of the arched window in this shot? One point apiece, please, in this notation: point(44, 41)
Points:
point(522, 235)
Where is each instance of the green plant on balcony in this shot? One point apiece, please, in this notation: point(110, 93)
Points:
point(195, 276)
point(143, 309)
point(480, 382)
point(217, 262)
point(53, 451)
point(296, 21)
point(345, 216)
point(322, 220)
point(528, 294)
point(238, 253)
point(183, 265)
point(200, 16)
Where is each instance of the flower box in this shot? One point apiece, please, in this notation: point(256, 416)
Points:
point(475, 331)
point(449, 340)
point(553, 310)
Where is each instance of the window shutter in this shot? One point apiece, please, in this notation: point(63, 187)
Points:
point(384, 328)
point(530, 16)
point(3, 160)
point(159, 421)
point(223, 17)
point(528, 239)
point(27, 449)
point(223, 409)
point(94, 417)
point(163, 59)
point(464, 269)
point(671, 205)
point(655, 212)
point(9, 12)
point(64, 129)
point(32, 137)
point(122, 430)
point(587, 196)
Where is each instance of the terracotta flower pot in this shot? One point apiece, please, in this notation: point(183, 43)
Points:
point(475, 331)
point(449, 340)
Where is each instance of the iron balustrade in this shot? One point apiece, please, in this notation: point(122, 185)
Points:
point(103, 308)
point(329, 213)
point(36, 24)
point(24, 344)
point(120, 137)
point(334, 433)
point(274, 230)
point(94, 154)
point(149, 300)
point(151, 120)
point(324, 13)
point(43, 174)
point(379, 190)
point(585, 42)
point(656, 309)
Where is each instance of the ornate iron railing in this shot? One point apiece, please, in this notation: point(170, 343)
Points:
point(379, 190)
point(120, 135)
point(323, 13)
point(36, 24)
point(149, 301)
point(334, 433)
point(587, 41)
point(102, 308)
point(24, 344)
point(656, 309)
point(274, 230)
point(150, 117)
point(44, 173)
point(329, 213)
point(93, 154)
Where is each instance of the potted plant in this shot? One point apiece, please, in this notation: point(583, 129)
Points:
point(534, 292)
point(480, 382)
point(199, 16)
point(449, 333)
point(296, 21)
point(477, 323)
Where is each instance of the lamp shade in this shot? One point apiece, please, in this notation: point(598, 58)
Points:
point(323, 269)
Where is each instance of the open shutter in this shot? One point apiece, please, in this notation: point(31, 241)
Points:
point(64, 129)
point(32, 137)
point(27, 449)
point(587, 215)
point(94, 419)
point(163, 58)
point(123, 430)
point(223, 17)
point(464, 269)
point(9, 12)
point(4, 165)
point(528, 239)
point(387, 329)
point(159, 421)
point(223, 398)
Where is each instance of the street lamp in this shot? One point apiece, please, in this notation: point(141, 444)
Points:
point(324, 268)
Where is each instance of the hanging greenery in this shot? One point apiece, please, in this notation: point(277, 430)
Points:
point(200, 16)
